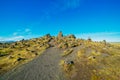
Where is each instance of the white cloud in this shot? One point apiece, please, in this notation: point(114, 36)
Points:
point(15, 38)
point(108, 36)
point(19, 35)
point(24, 32)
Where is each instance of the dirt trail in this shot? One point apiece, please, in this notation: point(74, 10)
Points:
point(44, 67)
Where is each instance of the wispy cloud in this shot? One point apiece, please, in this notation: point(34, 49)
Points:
point(19, 32)
point(14, 38)
point(108, 36)
point(19, 35)
point(57, 6)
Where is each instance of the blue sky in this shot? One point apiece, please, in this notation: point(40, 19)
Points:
point(98, 19)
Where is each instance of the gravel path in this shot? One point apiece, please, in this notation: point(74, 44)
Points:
point(44, 67)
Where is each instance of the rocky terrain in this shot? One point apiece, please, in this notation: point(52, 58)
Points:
point(59, 58)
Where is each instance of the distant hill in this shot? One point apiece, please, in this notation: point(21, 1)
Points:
point(7, 41)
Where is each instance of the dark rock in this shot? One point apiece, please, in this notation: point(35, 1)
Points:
point(69, 62)
point(94, 57)
point(19, 59)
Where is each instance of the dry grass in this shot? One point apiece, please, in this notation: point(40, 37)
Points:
point(95, 61)
point(95, 65)
point(67, 52)
point(68, 69)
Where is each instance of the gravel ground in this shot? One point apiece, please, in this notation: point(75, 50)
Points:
point(44, 67)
